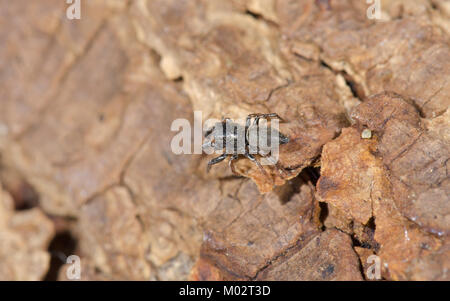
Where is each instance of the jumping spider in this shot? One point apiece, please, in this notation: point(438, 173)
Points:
point(230, 132)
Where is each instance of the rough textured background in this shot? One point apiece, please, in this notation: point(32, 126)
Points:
point(86, 166)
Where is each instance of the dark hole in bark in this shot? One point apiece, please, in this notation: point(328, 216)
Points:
point(254, 15)
point(312, 174)
point(323, 214)
point(62, 246)
point(357, 90)
point(369, 242)
point(287, 191)
point(308, 174)
point(178, 79)
point(24, 196)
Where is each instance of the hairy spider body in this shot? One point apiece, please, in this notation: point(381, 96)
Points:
point(237, 140)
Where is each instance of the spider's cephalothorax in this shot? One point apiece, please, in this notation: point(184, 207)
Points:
point(238, 140)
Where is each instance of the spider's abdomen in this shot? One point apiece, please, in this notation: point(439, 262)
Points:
point(264, 140)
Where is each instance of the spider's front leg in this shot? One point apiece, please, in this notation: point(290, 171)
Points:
point(231, 164)
point(215, 161)
point(253, 159)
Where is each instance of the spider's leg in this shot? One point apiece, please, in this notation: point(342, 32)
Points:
point(215, 161)
point(257, 116)
point(254, 115)
point(273, 115)
point(247, 125)
point(248, 120)
point(267, 116)
point(253, 159)
point(231, 164)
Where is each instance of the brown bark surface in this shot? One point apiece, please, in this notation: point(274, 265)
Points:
point(86, 165)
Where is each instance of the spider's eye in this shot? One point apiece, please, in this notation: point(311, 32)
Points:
point(283, 139)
